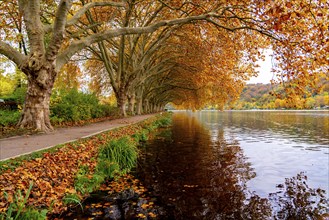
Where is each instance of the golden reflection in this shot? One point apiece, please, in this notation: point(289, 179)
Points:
point(198, 174)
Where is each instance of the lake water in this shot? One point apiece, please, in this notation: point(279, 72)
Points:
point(241, 165)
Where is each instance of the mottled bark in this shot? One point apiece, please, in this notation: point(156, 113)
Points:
point(131, 104)
point(157, 108)
point(151, 108)
point(139, 106)
point(146, 106)
point(39, 65)
point(36, 112)
point(121, 101)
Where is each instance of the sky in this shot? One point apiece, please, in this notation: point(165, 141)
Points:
point(265, 74)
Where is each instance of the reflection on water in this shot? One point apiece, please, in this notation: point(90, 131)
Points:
point(279, 144)
point(295, 200)
point(231, 165)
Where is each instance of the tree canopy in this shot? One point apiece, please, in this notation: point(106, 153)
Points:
point(188, 52)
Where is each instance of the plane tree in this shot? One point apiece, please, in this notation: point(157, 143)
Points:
point(41, 42)
point(205, 71)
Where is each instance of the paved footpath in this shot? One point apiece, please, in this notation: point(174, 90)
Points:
point(20, 145)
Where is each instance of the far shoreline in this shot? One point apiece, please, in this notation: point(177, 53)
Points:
point(254, 110)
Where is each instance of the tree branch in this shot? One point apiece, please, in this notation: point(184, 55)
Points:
point(58, 30)
point(31, 10)
point(78, 45)
point(232, 29)
point(83, 10)
point(11, 53)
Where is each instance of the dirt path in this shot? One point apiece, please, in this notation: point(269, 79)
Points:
point(20, 145)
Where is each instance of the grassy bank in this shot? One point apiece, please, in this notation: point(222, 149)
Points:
point(46, 182)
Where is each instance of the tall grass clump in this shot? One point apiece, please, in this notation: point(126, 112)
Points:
point(122, 152)
point(164, 121)
point(117, 157)
point(142, 136)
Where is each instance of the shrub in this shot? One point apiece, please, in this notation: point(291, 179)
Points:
point(9, 118)
point(73, 105)
point(19, 95)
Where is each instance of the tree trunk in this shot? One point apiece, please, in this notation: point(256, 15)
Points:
point(139, 106)
point(150, 107)
point(122, 104)
point(36, 114)
point(157, 108)
point(146, 106)
point(131, 104)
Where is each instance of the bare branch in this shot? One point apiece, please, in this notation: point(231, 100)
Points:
point(232, 29)
point(59, 28)
point(11, 53)
point(78, 45)
point(31, 10)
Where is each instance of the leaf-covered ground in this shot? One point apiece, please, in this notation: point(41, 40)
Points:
point(53, 173)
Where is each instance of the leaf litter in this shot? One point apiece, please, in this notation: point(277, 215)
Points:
point(53, 173)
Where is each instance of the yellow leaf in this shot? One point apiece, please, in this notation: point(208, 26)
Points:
point(152, 215)
point(140, 215)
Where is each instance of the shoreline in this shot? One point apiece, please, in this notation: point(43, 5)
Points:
point(255, 110)
point(12, 147)
point(53, 174)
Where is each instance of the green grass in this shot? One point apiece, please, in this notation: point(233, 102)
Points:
point(72, 199)
point(85, 185)
point(163, 121)
point(107, 168)
point(116, 157)
point(18, 210)
point(122, 152)
point(141, 136)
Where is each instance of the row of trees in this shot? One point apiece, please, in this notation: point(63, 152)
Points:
point(258, 96)
point(267, 101)
point(189, 52)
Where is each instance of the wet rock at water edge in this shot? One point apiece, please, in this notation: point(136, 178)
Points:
point(128, 194)
point(112, 212)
